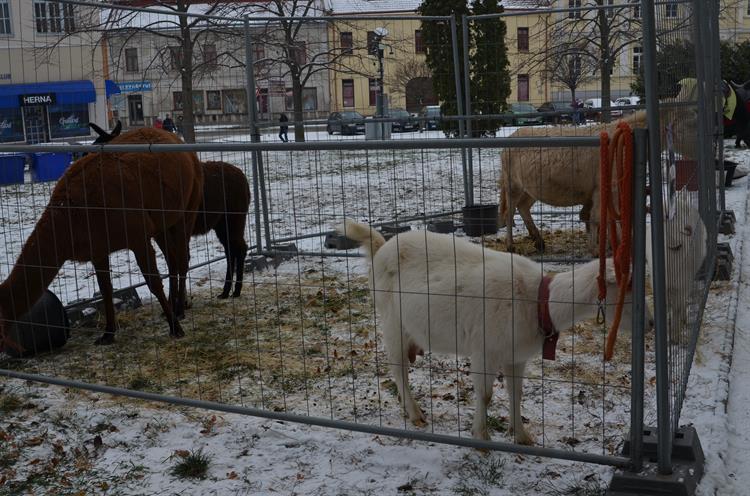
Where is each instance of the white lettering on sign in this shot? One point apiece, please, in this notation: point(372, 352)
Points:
point(70, 121)
point(5, 124)
point(37, 99)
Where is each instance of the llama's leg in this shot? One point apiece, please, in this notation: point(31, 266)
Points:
point(146, 258)
point(239, 253)
point(514, 384)
point(178, 237)
point(221, 233)
point(397, 348)
point(524, 208)
point(513, 196)
point(483, 375)
point(593, 223)
point(585, 214)
point(174, 289)
point(104, 279)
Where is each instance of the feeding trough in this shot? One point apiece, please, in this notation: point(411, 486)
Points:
point(480, 219)
point(44, 327)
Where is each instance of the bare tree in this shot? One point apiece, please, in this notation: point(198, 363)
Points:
point(174, 47)
point(572, 69)
point(302, 48)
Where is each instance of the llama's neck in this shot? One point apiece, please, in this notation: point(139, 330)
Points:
point(573, 295)
point(37, 265)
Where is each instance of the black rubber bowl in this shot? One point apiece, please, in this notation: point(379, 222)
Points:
point(45, 327)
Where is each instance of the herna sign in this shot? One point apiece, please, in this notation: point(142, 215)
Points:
point(37, 99)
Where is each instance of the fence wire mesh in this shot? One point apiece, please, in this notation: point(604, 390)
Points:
point(308, 335)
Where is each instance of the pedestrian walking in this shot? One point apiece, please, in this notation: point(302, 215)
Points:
point(283, 128)
point(168, 124)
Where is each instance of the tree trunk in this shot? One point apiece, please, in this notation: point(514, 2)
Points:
point(186, 75)
point(606, 64)
point(299, 128)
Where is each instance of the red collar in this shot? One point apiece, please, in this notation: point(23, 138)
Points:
point(545, 320)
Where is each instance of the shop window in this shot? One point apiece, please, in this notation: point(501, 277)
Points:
point(11, 125)
point(213, 100)
point(177, 100)
point(235, 101)
point(309, 99)
point(198, 102)
point(69, 120)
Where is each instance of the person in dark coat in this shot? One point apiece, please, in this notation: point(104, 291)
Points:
point(168, 124)
point(283, 128)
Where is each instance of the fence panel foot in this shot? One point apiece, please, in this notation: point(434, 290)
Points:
point(724, 262)
point(687, 468)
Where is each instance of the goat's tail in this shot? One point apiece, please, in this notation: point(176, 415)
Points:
point(370, 239)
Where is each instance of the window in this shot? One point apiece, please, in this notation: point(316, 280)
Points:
point(210, 57)
point(573, 4)
point(610, 12)
point(235, 101)
point(259, 53)
point(372, 43)
point(213, 100)
point(298, 53)
point(671, 9)
point(11, 125)
point(418, 43)
point(198, 102)
point(637, 59)
point(523, 87)
point(263, 100)
point(175, 58)
point(347, 43)
point(747, 12)
point(636, 9)
point(131, 59)
point(54, 17)
point(523, 39)
point(309, 99)
point(347, 90)
point(4, 17)
point(374, 87)
point(177, 100)
point(574, 65)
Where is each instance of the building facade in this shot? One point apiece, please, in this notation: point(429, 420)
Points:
point(51, 81)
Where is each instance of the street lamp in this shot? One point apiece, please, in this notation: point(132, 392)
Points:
point(380, 33)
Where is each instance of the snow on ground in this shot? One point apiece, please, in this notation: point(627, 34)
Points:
point(60, 440)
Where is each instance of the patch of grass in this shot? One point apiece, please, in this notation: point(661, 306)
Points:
point(191, 465)
point(10, 402)
point(499, 424)
point(139, 382)
point(480, 474)
point(390, 386)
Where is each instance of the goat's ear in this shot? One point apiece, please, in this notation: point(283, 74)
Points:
point(117, 129)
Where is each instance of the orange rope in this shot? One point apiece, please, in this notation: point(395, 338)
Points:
point(618, 153)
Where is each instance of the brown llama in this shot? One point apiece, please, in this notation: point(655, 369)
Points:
point(107, 202)
point(226, 200)
point(224, 207)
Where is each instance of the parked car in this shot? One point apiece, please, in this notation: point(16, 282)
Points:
point(593, 108)
point(626, 101)
point(528, 115)
point(557, 106)
point(349, 122)
point(432, 115)
point(403, 121)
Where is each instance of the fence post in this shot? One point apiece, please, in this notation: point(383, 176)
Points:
point(467, 108)
point(460, 106)
point(664, 434)
point(639, 298)
point(259, 190)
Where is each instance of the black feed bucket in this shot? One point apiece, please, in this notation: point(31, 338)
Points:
point(480, 219)
point(43, 328)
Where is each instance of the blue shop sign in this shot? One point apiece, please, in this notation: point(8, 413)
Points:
point(11, 125)
point(134, 86)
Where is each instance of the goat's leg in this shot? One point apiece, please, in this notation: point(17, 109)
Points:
point(397, 348)
point(513, 374)
point(146, 258)
point(483, 376)
point(524, 208)
point(104, 279)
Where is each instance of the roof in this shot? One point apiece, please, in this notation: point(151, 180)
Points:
point(410, 6)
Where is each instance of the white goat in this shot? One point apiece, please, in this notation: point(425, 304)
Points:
point(439, 293)
point(685, 243)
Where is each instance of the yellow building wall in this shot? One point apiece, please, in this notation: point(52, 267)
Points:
point(400, 52)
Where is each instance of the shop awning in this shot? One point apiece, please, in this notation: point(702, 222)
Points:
point(111, 88)
point(66, 92)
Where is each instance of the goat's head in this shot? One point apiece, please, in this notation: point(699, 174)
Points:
point(104, 136)
point(610, 306)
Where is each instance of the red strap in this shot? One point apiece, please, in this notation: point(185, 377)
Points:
point(545, 320)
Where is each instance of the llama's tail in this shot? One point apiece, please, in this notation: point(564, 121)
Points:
point(370, 239)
